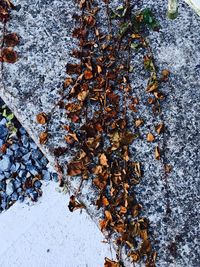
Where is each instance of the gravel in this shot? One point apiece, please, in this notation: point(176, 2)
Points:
point(22, 165)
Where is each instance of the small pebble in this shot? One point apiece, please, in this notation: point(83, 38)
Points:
point(5, 163)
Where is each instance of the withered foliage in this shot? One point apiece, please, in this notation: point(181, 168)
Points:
point(98, 99)
point(9, 40)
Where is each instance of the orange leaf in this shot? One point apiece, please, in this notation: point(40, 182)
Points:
point(9, 55)
point(41, 118)
point(43, 137)
point(150, 137)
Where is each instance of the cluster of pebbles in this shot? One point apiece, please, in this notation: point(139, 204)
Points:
point(23, 167)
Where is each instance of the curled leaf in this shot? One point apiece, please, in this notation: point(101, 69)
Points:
point(42, 118)
point(74, 204)
point(43, 137)
point(157, 153)
point(103, 160)
point(139, 122)
point(160, 128)
point(11, 39)
point(9, 55)
point(110, 263)
point(150, 137)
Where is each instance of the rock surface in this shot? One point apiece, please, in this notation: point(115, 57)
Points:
point(33, 85)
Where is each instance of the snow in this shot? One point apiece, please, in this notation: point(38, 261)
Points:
point(46, 234)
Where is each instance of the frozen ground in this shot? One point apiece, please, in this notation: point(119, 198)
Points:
point(46, 234)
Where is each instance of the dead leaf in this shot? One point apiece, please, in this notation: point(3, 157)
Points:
point(145, 247)
point(160, 128)
point(42, 118)
point(110, 263)
point(88, 74)
point(9, 55)
point(139, 122)
point(108, 215)
point(82, 95)
point(67, 82)
point(43, 137)
point(105, 201)
point(11, 39)
point(103, 160)
point(74, 168)
point(74, 204)
point(150, 137)
point(135, 256)
point(157, 153)
point(152, 87)
point(168, 168)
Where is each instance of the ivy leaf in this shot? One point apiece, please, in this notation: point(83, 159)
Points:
point(149, 19)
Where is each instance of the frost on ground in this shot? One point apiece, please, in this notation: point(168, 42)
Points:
point(46, 234)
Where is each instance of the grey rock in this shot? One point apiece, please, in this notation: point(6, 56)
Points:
point(3, 132)
point(26, 157)
point(32, 169)
point(10, 188)
point(5, 163)
point(9, 152)
point(46, 175)
point(14, 196)
point(2, 176)
point(3, 121)
point(22, 173)
point(25, 141)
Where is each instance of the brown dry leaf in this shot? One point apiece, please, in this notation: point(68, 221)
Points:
point(123, 210)
point(11, 39)
point(3, 148)
point(73, 68)
point(150, 137)
point(157, 153)
point(168, 168)
point(99, 69)
point(139, 122)
point(88, 74)
point(151, 100)
point(152, 87)
point(108, 215)
point(105, 201)
point(103, 160)
point(160, 128)
point(75, 168)
point(43, 137)
point(67, 82)
point(74, 204)
point(145, 247)
point(137, 169)
point(103, 224)
point(136, 36)
point(144, 234)
point(9, 55)
point(136, 209)
point(159, 95)
point(165, 75)
point(90, 20)
point(82, 95)
point(110, 263)
point(135, 256)
point(42, 118)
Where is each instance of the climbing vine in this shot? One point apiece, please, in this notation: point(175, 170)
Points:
point(99, 100)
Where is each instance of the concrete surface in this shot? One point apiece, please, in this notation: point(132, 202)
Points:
point(32, 85)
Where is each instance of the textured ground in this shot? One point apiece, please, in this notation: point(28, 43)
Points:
point(32, 85)
point(31, 235)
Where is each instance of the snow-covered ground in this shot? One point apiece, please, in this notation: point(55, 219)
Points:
point(46, 234)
